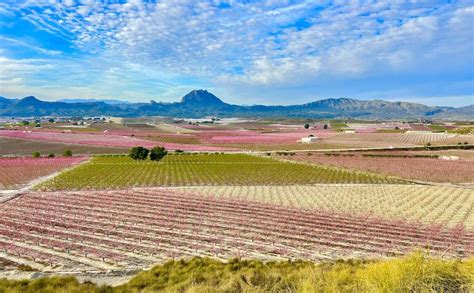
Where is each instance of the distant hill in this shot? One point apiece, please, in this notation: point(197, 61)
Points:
point(201, 98)
point(110, 102)
point(199, 103)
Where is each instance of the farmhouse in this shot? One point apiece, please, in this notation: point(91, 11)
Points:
point(449, 158)
point(311, 138)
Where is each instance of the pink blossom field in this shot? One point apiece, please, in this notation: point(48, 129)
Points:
point(253, 137)
point(110, 140)
point(17, 171)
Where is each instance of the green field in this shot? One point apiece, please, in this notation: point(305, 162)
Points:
point(437, 127)
point(202, 169)
point(338, 125)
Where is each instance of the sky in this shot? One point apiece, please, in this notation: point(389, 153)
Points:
point(246, 52)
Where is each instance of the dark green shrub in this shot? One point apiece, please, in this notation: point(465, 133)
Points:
point(157, 153)
point(67, 153)
point(36, 154)
point(139, 153)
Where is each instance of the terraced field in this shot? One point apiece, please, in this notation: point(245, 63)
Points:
point(201, 169)
point(104, 230)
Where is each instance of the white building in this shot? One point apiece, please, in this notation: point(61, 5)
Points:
point(449, 158)
point(309, 139)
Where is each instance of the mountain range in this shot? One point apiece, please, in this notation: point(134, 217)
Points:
point(201, 103)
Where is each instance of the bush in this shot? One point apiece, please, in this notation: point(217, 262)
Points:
point(25, 268)
point(139, 153)
point(36, 154)
point(415, 273)
point(67, 153)
point(158, 153)
point(306, 126)
point(51, 155)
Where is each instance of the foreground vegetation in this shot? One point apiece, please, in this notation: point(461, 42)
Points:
point(202, 169)
point(415, 273)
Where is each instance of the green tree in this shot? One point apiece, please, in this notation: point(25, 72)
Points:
point(306, 126)
point(157, 153)
point(139, 153)
point(325, 126)
point(51, 155)
point(67, 153)
point(36, 154)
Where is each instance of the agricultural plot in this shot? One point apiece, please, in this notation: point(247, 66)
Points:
point(211, 169)
point(260, 138)
point(112, 230)
point(106, 140)
point(17, 171)
point(25, 147)
point(457, 138)
point(424, 204)
point(426, 169)
point(387, 139)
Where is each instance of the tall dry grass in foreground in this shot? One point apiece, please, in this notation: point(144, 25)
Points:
point(415, 273)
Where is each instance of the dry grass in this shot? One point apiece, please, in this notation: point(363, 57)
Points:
point(416, 273)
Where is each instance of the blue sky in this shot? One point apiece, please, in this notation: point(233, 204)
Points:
point(246, 52)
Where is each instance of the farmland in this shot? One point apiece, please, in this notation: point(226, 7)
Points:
point(216, 199)
point(201, 169)
point(390, 139)
point(25, 147)
point(414, 168)
point(448, 206)
point(17, 171)
point(105, 230)
point(239, 136)
point(107, 140)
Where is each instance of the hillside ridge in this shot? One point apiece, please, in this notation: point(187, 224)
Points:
point(200, 103)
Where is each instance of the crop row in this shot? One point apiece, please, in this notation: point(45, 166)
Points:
point(214, 169)
point(422, 204)
point(17, 171)
point(117, 229)
point(428, 169)
point(108, 140)
point(387, 139)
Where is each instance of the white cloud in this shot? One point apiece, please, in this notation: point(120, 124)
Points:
point(264, 43)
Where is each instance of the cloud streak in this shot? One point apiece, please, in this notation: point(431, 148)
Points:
point(305, 46)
